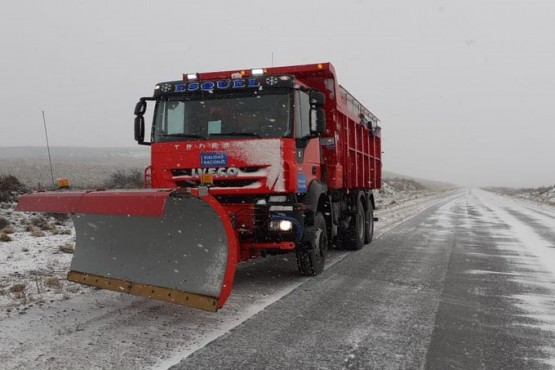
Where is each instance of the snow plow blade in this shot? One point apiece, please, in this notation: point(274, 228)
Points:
point(173, 245)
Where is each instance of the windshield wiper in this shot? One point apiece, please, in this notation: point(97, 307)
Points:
point(192, 136)
point(235, 133)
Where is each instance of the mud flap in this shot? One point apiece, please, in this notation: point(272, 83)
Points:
point(179, 247)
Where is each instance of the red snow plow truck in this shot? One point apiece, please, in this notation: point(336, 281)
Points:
point(244, 164)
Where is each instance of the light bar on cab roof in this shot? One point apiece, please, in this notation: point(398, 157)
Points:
point(257, 71)
point(192, 76)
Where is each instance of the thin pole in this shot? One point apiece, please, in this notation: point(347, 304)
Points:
point(272, 58)
point(48, 148)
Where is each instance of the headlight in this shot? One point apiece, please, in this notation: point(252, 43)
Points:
point(281, 225)
point(285, 225)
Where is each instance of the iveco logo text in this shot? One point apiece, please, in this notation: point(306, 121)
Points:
point(231, 171)
point(217, 85)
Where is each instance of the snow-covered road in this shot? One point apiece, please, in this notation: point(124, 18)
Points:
point(498, 304)
point(484, 240)
point(116, 331)
point(461, 285)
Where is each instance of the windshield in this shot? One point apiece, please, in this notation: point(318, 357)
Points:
point(242, 115)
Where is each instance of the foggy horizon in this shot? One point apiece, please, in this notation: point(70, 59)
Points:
point(463, 90)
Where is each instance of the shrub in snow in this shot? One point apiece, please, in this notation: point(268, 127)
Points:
point(67, 248)
point(10, 187)
point(17, 288)
point(38, 233)
point(41, 223)
point(35, 231)
point(5, 237)
point(59, 231)
point(125, 179)
point(4, 222)
point(401, 184)
point(549, 195)
point(8, 229)
point(53, 282)
point(59, 218)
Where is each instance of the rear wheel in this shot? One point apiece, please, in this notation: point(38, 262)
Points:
point(369, 223)
point(311, 255)
point(352, 238)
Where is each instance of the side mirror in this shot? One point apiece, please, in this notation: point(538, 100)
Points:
point(140, 108)
point(140, 129)
point(317, 98)
point(317, 113)
point(317, 121)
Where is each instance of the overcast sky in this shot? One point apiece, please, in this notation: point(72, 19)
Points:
point(465, 89)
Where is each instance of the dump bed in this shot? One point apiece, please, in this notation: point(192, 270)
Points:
point(359, 144)
point(351, 145)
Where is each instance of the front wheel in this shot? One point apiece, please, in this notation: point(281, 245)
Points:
point(311, 254)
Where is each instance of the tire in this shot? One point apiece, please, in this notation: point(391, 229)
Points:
point(311, 254)
point(369, 223)
point(354, 236)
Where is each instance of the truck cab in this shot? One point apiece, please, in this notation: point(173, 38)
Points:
point(267, 145)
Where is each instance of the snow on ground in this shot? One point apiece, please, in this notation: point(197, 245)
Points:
point(34, 263)
point(526, 239)
point(57, 323)
point(541, 195)
point(530, 252)
point(523, 232)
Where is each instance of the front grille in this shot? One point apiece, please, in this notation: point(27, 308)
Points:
point(250, 221)
point(223, 178)
point(194, 172)
point(239, 183)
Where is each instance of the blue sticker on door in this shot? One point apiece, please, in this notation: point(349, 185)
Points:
point(301, 183)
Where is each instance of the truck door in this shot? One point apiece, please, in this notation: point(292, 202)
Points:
point(308, 146)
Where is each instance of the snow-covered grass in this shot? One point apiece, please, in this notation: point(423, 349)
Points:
point(34, 261)
point(543, 195)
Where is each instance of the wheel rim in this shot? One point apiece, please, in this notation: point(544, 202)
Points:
point(361, 224)
point(320, 247)
point(323, 243)
point(369, 225)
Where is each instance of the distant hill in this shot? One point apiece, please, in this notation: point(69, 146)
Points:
point(428, 184)
point(84, 167)
point(544, 194)
point(90, 167)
